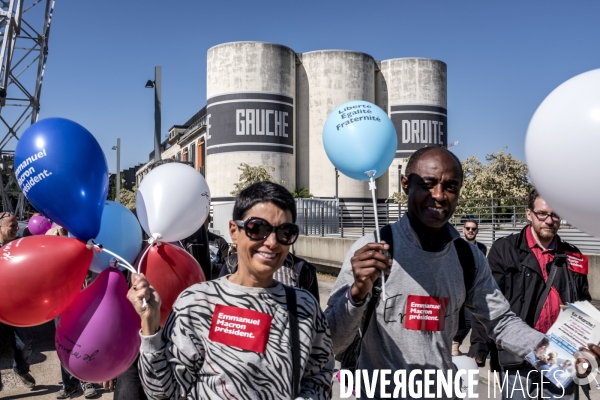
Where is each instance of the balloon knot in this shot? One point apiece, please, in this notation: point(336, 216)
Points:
point(154, 238)
point(90, 244)
point(114, 263)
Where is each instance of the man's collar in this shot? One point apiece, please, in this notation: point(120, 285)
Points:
point(533, 242)
point(431, 240)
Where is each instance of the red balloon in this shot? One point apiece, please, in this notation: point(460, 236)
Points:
point(170, 270)
point(39, 277)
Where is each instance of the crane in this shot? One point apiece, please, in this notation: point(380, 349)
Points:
point(24, 31)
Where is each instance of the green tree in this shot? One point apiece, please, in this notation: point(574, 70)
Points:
point(302, 193)
point(128, 197)
point(502, 176)
point(112, 188)
point(398, 198)
point(250, 175)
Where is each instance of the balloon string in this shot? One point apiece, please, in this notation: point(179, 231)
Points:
point(143, 256)
point(377, 236)
point(127, 265)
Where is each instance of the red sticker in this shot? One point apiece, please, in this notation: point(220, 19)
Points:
point(425, 313)
point(577, 262)
point(240, 327)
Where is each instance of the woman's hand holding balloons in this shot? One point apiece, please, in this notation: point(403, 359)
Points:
point(170, 270)
point(150, 314)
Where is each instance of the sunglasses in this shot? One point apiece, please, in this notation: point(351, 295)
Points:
point(470, 229)
point(259, 229)
point(6, 214)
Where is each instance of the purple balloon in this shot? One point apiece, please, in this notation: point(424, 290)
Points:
point(97, 337)
point(39, 225)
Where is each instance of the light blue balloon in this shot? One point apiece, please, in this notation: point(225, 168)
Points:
point(358, 137)
point(120, 232)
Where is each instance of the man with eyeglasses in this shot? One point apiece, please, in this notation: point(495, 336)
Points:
point(537, 272)
point(22, 336)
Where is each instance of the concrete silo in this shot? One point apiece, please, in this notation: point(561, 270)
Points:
point(325, 80)
point(251, 87)
point(417, 105)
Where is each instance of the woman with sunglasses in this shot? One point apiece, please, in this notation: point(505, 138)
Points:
point(240, 336)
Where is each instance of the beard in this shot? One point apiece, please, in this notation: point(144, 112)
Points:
point(545, 234)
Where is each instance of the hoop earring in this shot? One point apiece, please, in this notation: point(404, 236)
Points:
point(231, 250)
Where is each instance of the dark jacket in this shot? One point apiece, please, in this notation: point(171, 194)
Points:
point(217, 259)
point(197, 245)
point(517, 272)
point(305, 272)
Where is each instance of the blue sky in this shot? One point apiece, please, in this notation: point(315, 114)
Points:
point(504, 57)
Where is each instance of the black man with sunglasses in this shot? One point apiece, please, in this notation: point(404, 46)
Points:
point(522, 264)
point(431, 275)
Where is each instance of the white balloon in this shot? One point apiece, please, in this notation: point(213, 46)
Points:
point(172, 202)
point(562, 149)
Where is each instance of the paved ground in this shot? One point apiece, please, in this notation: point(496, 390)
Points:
point(46, 368)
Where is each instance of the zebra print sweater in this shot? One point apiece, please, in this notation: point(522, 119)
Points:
point(188, 359)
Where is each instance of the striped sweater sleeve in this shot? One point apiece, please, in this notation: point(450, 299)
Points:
point(170, 360)
point(316, 381)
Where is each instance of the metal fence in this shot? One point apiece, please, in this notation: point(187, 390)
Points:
point(497, 217)
point(318, 217)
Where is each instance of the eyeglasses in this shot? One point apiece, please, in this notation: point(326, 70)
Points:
point(543, 216)
point(259, 229)
point(470, 229)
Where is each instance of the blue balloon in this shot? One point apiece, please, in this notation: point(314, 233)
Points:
point(120, 232)
point(358, 137)
point(62, 170)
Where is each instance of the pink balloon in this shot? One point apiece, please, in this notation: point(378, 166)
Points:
point(38, 225)
point(97, 337)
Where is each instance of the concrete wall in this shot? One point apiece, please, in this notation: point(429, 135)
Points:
point(415, 81)
point(330, 78)
point(327, 253)
point(249, 67)
point(406, 81)
point(302, 126)
point(382, 101)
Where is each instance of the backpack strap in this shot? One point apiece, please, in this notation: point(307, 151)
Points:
point(290, 294)
point(467, 262)
point(385, 233)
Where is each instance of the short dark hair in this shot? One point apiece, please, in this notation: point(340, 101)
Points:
point(473, 221)
point(533, 195)
point(263, 192)
point(416, 156)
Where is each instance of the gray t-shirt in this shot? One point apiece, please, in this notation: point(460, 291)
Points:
point(411, 329)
